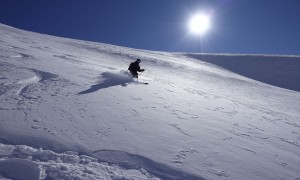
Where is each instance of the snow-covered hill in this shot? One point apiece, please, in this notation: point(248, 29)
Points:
point(69, 110)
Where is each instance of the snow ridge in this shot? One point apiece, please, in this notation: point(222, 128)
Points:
point(24, 162)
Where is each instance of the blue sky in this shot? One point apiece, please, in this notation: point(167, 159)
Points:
point(238, 26)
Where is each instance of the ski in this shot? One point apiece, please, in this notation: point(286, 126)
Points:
point(141, 83)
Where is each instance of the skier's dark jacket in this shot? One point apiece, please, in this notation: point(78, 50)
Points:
point(134, 67)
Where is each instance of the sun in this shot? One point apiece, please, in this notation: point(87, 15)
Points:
point(199, 24)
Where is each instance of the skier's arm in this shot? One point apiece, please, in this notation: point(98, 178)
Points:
point(139, 69)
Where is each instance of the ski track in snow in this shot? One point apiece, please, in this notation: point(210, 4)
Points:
point(26, 83)
point(70, 111)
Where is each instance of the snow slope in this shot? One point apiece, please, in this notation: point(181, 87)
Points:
point(69, 110)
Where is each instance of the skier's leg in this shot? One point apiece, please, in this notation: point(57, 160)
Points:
point(133, 74)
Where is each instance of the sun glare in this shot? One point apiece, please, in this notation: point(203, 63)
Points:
point(199, 24)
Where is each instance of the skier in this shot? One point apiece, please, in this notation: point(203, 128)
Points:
point(134, 68)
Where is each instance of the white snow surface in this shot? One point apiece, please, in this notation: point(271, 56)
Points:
point(70, 110)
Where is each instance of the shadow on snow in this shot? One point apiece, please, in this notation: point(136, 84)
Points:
point(134, 161)
point(280, 71)
point(109, 79)
point(123, 159)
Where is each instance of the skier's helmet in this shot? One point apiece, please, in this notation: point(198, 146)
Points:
point(138, 60)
